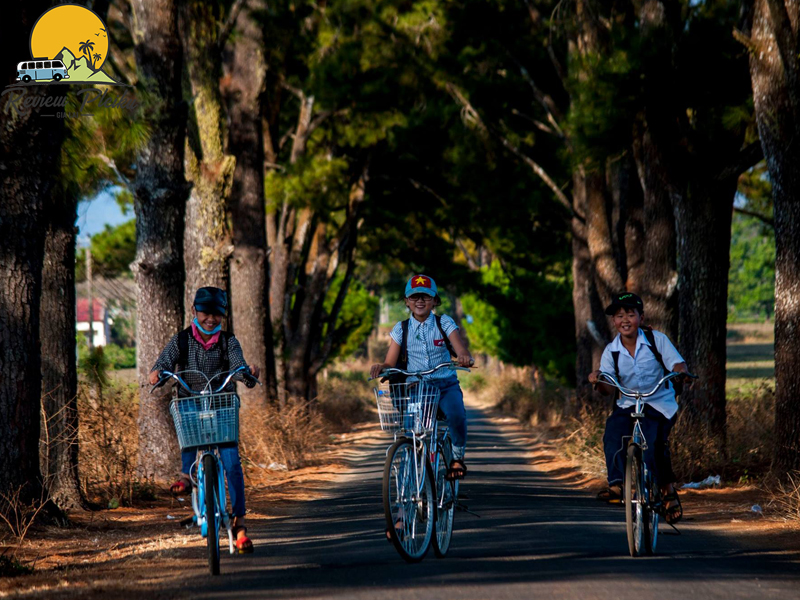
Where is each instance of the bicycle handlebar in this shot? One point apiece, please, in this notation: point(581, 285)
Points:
point(611, 380)
point(392, 370)
point(167, 375)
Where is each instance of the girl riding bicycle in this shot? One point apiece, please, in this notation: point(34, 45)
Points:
point(206, 348)
point(424, 341)
point(639, 357)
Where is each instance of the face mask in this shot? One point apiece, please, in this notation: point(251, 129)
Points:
point(212, 332)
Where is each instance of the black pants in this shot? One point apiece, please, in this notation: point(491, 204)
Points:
point(655, 427)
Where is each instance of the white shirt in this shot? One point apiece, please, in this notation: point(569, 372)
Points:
point(425, 345)
point(642, 371)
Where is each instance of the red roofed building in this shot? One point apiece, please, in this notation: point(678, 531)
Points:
point(101, 323)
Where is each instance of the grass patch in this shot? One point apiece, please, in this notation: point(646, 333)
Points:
point(10, 567)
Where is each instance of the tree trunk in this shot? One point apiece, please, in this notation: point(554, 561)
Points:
point(249, 267)
point(776, 91)
point(207, 243)
point(703, 219)
point(660, 278)
point(160, 193)
point(59, 437)
point(591, 327)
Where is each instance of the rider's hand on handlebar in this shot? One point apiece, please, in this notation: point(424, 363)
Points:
point(154, 377)
point(465, 360)
point(594, 377)
point(254, 371)
point(375, 370)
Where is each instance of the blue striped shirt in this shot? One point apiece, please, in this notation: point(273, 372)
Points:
point(426, 347)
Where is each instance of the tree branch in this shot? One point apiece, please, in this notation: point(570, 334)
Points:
point(747, 157)
point(227, 26)
point(475, 117)
point(763, 218)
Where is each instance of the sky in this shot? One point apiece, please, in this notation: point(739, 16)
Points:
point(95, 213)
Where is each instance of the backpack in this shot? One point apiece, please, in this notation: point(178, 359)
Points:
point(183, 349)
point(651, 339)
point(402, 361)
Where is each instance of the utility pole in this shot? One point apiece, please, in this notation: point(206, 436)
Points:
point(89, 290)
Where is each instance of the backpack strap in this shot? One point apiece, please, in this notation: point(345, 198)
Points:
point(225, 363)
point(651, 339)
point(444, 335)
point(615, 356)
point(183, 348)
point(402, 362)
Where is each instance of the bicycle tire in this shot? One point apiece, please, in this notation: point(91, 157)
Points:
point(210, 477)
point(446, 493)
point(652, 513)
point(399, 492)
point(635, 498)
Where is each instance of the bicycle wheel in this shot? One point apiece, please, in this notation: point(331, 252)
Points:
point(213, 516)
point(635, 497)
point(653, 515)
point(408, 501)
point(446, 494)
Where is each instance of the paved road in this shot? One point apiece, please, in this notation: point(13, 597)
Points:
point(537, 537)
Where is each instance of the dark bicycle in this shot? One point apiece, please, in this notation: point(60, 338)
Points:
point(644, 505)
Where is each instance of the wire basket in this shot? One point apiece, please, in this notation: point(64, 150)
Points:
point(206, 420)
point(407, 406)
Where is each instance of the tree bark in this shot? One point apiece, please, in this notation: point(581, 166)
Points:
point(207, 241)
point(660, 278)
point(160, 193)
point(703, 219)
point(775, 74)
point(591, 326)
point(29, 148)
point(59, 437)
point(249, 266)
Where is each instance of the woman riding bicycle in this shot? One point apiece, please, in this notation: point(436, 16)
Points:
point(638, 365)
point(204, 347)
point(428, 340)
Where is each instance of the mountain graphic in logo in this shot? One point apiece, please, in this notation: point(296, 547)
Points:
point(69, 44)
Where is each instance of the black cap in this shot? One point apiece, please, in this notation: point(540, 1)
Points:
point(211, 300)
point(625, 300)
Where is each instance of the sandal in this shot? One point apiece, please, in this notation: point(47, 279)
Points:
point(610, 495)
point(674, 513)
point(455, 472)
point(181, 487)
point(243, 544)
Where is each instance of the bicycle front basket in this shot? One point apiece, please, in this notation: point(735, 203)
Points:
point(409, 406)
point(206, 420)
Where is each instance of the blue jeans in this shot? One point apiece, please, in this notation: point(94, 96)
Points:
point(655, 427)
point(232, 465)
point(451, 403)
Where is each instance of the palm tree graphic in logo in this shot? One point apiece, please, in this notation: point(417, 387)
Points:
point(69, 42)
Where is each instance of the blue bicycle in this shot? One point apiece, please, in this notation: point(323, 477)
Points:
point(204, 420)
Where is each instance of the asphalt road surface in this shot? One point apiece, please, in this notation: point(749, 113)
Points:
point(537, 537)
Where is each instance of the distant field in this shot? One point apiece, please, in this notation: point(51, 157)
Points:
point(750, 354)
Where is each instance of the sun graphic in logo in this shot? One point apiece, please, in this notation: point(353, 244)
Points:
point(73, 38)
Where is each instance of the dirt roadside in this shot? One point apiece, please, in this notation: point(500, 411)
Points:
point(141, 548)
point(730, 507)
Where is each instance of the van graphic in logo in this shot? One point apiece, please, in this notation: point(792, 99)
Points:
point(68, 44)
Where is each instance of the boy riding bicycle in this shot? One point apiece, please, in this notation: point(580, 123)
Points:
point(428, 340)
point(639, 357)
point(206, 348)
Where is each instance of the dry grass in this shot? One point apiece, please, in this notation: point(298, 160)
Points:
point(291, 436)
point(784, 496)
point(108, 437)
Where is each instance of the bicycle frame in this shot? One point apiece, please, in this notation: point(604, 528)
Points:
point(198, 496)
